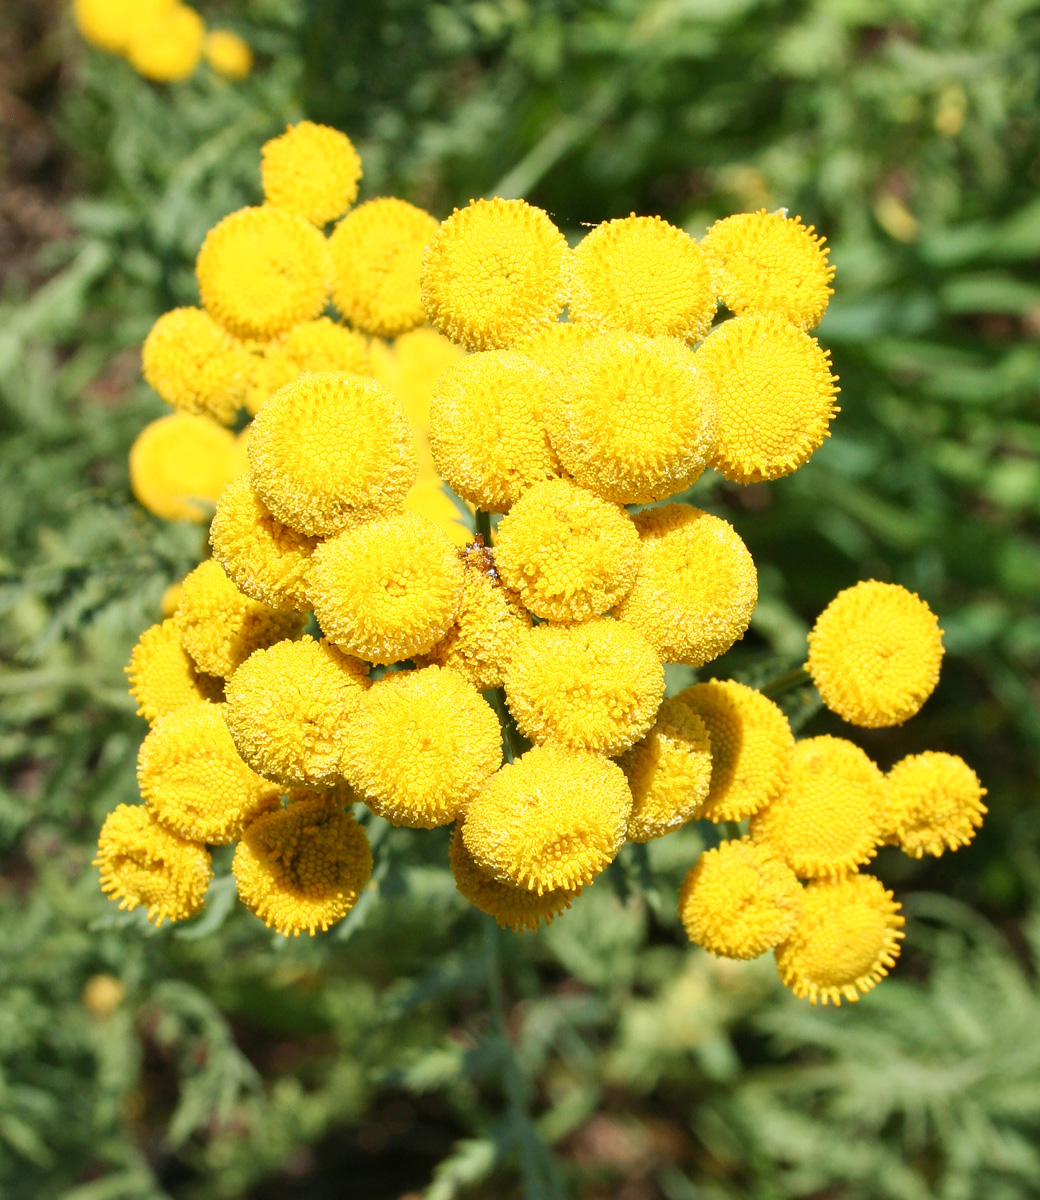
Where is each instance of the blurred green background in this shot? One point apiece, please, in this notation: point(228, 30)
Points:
point(413, 1051)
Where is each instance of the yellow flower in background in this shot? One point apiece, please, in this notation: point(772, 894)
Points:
point(167, 46)
point(740, 900)
point(302, 868)
point(875, 653)
point(228, 54)
point(846, 939)
point(770, 263)
point(643, 275)
point(112, 24)
point(311, 171)
point(163, 677)
point(144, 864)
point(553, 819)
point(410, 366)
point(428, 499)
point(179, 466)
point(195, 365)
point(321, 345)
point(494, 274)
point(934, 803)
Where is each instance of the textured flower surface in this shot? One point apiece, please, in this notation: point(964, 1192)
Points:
point(593, 686)
point(643, 275)
point(934, 803)
point(774, 393)
point(752, 748)
point(875, 653)
point(552, 819)
point(302, 868)
point(321, 345)
point(166, 46)
point(846, 939)
point(422, 744)
point(195, 365)
point(229, 55)
point(180, 464)
point(111, 24)
point(494, 274)
point(144, 864)
point(311, 170)
point(163, 677)
point(554, 345)
point(696, 587)
point(740, 900)
point(568, 554)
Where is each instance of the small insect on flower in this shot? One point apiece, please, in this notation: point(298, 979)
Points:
point(934, 803)
point(195, 365)
point(163, 677)
point(312, 171)
point(180, 464)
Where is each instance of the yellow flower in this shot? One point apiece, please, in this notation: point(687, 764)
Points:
point(320, 345)
point(168, 603)
point(487, 428)
point(768, 263)
point(643, 275)
point(696, 586)
point(143, 863)
point(740, 900)
point(302, 868)
point(263, 270)
point(162, 676)
point(515, 908)
point(228, 54)
point(752, 748)
point(265, 559)
point(875, 653)
point(328, 449)
point(554, 346)
point(494, 274)
point(167, 47)
point(829, 818)
point(377, 253)
point(846, 939)
point(312, 171)
point(111, 24)
point(220, 627)
point(428, 499)
point(594, 686)
point(387, 590)
point(934, 803)
point(288, 708)
point(421, 746)
point(490, 625)
point(195, 365)
point(775, 396)
point(636, 420)
point(668, 772)
point(568, 554)
point(180, 464)
point(552, 819)
point(193, 780)
point(410, 367)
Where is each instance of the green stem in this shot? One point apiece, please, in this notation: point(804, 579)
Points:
point(787, 682)
point(498, 703)
point(482, 525)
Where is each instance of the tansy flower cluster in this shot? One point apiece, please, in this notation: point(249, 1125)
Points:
point(341, 646)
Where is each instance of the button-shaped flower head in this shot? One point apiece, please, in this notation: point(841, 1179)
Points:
point(229, 55)
point(310, 170)
point(166, 46)
point(934, 803)
point(195, 365)
point(180, 464)
point(111, 24)
point(163, 677)
point(321, 345)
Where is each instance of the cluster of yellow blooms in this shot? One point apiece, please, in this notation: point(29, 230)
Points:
point(264, 735)
point(163, 40)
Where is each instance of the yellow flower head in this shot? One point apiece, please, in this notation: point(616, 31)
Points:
point(195, 365)
point(377, 253)
point(875, 653)
point(220, 627)
point(768, 263)
point(321, 345)
point(775, 396)
point(846, 939)
point(568, 554)
point(162, 676)
point(490, 625)
point(494, 274)
point(193, 780)
point(312, 171)
point(263, 270)
point(328, 449)
point(288, 708)
point(740, 900)
point(752, 748)
point(668, 772)
point(265, 559)
point(643, 275)
point(696, 586)
point(934, 803)
point(552, 819)
point(428, 498)
point(143, 863)
point(179, 464)
point(421, 746)
point(167, 46)
point(487, 427)
point(387, 590)
point(111, 24)
point(636, 420)
point(594, 686)
point(168, 603)
point(228, 54)
point(302, 868)
point(829, 818)
point(554, 346)
point(409, 367)
point(515, 908)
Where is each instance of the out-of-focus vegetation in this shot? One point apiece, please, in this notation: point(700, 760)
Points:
point(415, 1047)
